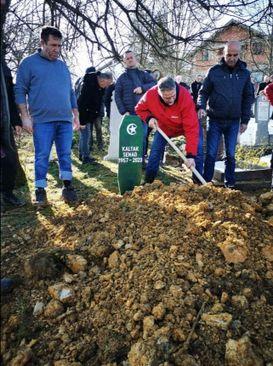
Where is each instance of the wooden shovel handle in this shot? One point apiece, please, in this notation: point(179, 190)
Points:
point(179, 152)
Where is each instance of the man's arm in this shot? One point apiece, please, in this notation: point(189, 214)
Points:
point(190, 125)
point(25, 117)
point(142, 109)
point(148, 82)
point(21, 90)
point(247, 101)
point(76, 121)
point(119, 96)
point(203, 96)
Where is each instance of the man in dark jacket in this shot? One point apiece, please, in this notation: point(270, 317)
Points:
point(130, 87)
point(227, 90)
point(195, 87)
point(90, 105)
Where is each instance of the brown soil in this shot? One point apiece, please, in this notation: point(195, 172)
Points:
point(164, 264)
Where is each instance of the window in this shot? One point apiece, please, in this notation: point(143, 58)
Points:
point(257, 48)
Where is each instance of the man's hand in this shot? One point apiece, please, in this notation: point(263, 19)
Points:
point(82, 127)
point(76, 123)
point(138, 90)
point(243, 127)
point(18, 130)
point(153, 123)
point(190, 163)
point(201, 113)
point(27, 124)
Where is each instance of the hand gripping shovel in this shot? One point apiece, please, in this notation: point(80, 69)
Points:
point(179, 152)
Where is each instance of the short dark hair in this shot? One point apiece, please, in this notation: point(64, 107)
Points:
point(106, 75)
point(166, 83)
point(128, 51)
point(50, 31)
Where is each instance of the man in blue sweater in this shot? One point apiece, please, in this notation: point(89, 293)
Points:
point(130, 86)
point(47, 105)
point(227, 95)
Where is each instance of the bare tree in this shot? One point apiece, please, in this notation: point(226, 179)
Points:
point(167, 29)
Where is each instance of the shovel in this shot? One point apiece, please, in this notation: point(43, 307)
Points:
point(179, 152)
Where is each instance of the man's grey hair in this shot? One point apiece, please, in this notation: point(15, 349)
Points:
point(106, 75)
point(166, 83)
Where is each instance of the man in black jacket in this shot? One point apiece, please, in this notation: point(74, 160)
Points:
point(10, 124)
point(228, 91)
point(195, 87)
point(90, 104)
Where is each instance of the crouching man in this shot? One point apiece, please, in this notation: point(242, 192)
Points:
point(170, 107)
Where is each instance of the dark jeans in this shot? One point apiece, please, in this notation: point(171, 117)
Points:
point(230, 131)
point(86, 137)
point(199, 159)
point(156, 153)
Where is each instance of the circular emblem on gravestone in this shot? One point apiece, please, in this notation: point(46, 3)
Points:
point(131, 129)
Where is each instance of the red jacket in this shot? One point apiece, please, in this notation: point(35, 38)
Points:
point(175, 120)
point(268, 91)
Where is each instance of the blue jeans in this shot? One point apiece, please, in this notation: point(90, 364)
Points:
point(86, 137)
point(199, 159)
point(230, 131)
point(156, 153)
point(44, 134)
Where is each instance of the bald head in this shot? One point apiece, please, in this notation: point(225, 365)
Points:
point(232, 52)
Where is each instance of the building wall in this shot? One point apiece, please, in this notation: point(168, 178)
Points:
point(213, 51)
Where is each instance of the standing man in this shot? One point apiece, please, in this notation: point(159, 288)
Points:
point(10, 124)
point(90, 104)
point(195, 87)
point(170, 106)
point(47, 105)
point(130, 87)
point(228, 91)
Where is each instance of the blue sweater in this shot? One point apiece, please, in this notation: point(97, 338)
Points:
point(47, 89)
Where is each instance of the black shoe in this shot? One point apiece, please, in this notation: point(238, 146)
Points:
point(7, 285)
point(11, 199)
point(40, 195)
point(69, 194)
point(149, 179)
point(80, 157)
point(88, 160)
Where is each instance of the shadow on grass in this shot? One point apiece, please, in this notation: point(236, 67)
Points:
point(98, 176)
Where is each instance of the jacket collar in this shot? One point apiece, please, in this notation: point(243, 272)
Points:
point(239, 65)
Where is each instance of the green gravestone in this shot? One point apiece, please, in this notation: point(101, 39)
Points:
point(130, 153)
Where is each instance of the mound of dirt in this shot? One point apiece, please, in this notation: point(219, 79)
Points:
point(165, 275)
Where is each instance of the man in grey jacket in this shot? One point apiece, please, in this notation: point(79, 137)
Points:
point(226, 96)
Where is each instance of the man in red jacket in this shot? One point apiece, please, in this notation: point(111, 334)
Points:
point(170, 106)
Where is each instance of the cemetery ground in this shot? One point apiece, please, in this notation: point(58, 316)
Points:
point(170, 274)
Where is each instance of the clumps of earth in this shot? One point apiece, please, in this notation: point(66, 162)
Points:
point(163, 276)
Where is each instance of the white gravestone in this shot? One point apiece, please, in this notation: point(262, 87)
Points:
point(115, 120)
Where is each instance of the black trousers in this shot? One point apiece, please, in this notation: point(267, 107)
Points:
point(9, 165)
